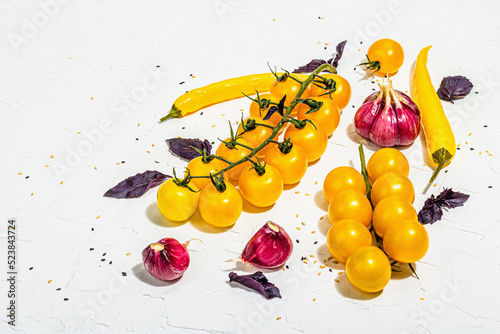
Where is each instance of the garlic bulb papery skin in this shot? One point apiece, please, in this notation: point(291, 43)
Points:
point(388, 118)
point(166, 259)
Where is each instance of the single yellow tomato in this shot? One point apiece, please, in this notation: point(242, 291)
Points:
point(387, 160)
point(342, 178)
point(392, 184)
point(263, 189)
point(327, 116)
point(220, 208)
point(340, 96)
point(389, 211)
point(350, 204)
point(257, 134)
point(197, 167)
point(312, 140)
point(406, 241)
point(291, 162)
point(345, 237)
point(177, 203)
point(368, 269)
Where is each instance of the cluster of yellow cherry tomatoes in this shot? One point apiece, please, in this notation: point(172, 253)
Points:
point(260, 182)
point(393, 219)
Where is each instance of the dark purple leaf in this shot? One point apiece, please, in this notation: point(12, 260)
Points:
point(340, 50)
point(257, 282)
point(137, 185)
point(453, 88)
point(279, 109)
point(432, 210)
point(183, 147)
point(311, 66)
point(451, 199)
point(315, 63)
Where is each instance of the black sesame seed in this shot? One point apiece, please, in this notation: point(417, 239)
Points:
point(157, 162)
point(91, 249)
point(136, 138)
point(355, 68)
point(103, 254)
point(201, 112)
point(92, 229)
point(325, 47)
point(361, 42)
point(472, 148)
point(315, 242)
point(31, 268)
point(373, 82)
point(183, 127)
point(157, 65)
point(476, 92)
point(58, 289)
point(373, 89)
point(66, 299)
point(27, 177)
point(353, 106)
point(446, 171)
point(191, 75)
point(123, 162)
point(287, 267)
point(102, 260)
point(124, 273)
point(490, 186)
point(297, 241)
point(458, 148)
point(180, 83)
point(110, 262)
point(485, 126)
point(330, 269)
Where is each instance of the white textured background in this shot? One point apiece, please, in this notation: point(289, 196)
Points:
point(79, 81)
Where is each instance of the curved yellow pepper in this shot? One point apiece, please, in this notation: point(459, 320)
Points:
point(441, 145)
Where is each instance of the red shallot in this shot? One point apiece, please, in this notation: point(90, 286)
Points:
point(166, 259)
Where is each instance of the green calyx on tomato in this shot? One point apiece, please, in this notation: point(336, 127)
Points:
point(327, 84)
point(204, 157)
point(285, 146)
point(260, 169)
point(184, 182)
point(218, 182)
point(313, 105)
point(371, 64)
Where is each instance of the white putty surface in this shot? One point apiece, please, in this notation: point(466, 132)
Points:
point(79, 81)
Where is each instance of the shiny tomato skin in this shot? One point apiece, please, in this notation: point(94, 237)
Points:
point(197, 167)
point(388, 53)
point(368, 269)
point(312, 140)
point(387, 160)
point(406, 241)
point(177, 203)
point(292, 166)
point(258, 135)
point(392, 184)
point(256, 111)
point(342, 94)
point(345, 237)
point(342, 178)
point(220, 209)
point(288, 87)
point(327, 117)
point(350, 204)
point(390, 211)
point(233, 155)
point(261, 190)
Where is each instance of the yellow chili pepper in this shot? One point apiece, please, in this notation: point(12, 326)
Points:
point(441, 145)
point(221, 91)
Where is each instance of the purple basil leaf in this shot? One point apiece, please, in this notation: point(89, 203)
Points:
point(451, 199)
point(270, 112)
point(137, 185)
point(340, 50)
point(257, 282)
point(183, 148)
point(315, 63)
point(453, 88)
point(430, 213)
point(311, 66)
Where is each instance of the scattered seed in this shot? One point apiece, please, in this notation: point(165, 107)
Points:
point(330, 270)
point(298, 228)
point(52, 156)
point(110, 262)
point(314, 299)
point(315, 261)
point(303, 224)
point(182, 82)
point(102, 260)
point(58, 289)
point(308, 194)
point(31, 268)
point(297, 215)
point(47, 166)
point(95, 167)
point(278, 318)
point(138, 124)
point(103, 254)
point(321, 218)
point(297, 192)
point(92, 248)
point(66, 299)
point(490, 186)
point(319, 273)
point(49, 281)
point(313, 232)
point(61, 182)
point(91, 98)
point(98, 216)
point(124, 273)
point(336, 280)
point(92, 229)
point(27, 177)
point(128, 254)
point(421, 298)
point(315, 242)
point(287, 267)
point(305, 262)
point(297, 241)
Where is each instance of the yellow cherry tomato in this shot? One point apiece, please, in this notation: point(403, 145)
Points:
point(406, 241)
point(346, 236)
point(220, 208)
point(256, 135)
point(257, 111)
point(389, 211)
point(288, 87)
point(327, 117)
point(342, 178)
point(340, 96)
point(387, 160)
point(233, 155)
point(392, 184)
point(368, 269)
point(292, 164)
point(312, 140)
point(197, 167)
point(388, 53)
point(261, 190)
point(350, 204)
point(177, 203)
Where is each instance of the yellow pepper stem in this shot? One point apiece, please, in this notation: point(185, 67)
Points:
point(441, 157)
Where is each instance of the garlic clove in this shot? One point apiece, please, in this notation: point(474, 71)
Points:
point(269, 248)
